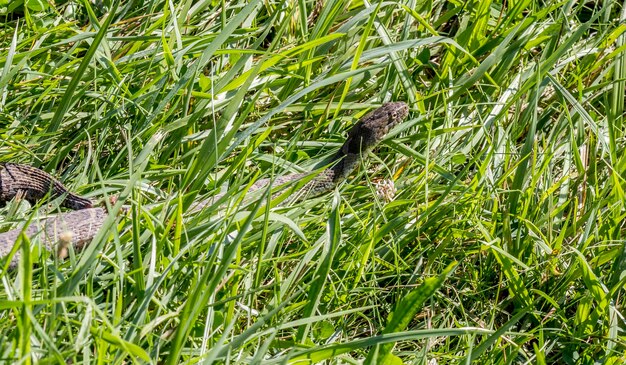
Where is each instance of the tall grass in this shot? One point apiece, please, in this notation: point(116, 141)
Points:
point(503, 243)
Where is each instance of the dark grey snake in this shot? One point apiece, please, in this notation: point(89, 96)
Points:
point(78, 227)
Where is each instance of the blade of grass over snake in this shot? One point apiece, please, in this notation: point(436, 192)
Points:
point(26, 309)
point(229, 113)
point(319, 84)
point(213, 147)
point(89, 255)
point(206, 285)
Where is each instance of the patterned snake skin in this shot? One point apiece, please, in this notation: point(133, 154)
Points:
point(78, 227)
point(33, 185)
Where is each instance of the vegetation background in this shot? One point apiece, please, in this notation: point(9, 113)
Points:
point(504, 243)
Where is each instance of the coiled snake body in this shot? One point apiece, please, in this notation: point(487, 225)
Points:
point(78, 227)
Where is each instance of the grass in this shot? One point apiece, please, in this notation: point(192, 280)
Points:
point(504, 242)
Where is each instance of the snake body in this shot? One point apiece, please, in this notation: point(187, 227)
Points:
point(78, 227)
point(34, 184)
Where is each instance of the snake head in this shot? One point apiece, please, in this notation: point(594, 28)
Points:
point(373, 127)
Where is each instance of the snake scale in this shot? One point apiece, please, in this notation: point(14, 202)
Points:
point(78, 227)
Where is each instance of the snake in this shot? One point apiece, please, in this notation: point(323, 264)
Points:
point(79, 226)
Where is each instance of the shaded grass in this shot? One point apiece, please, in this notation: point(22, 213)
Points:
point(510, 164)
